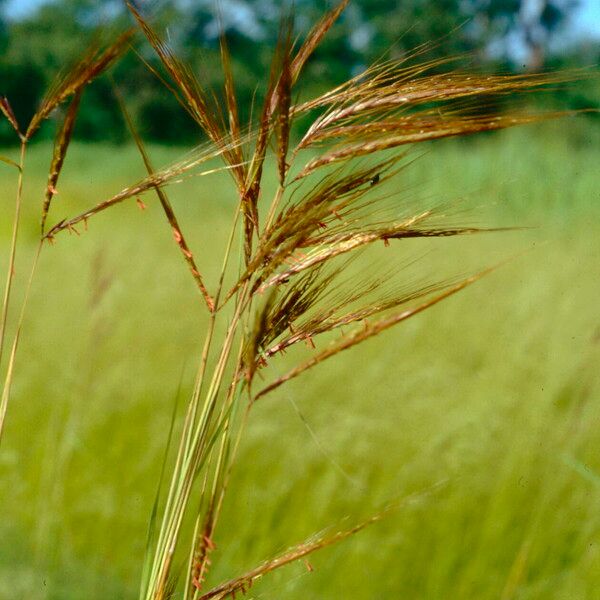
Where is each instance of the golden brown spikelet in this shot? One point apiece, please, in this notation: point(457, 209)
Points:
point(95, 62)
point(167, 207)
point(284, 100)
point(281, 311)
point(324, 321)
point(194, 98)
point(7, 111)
point(379, 136)
point(319, 541)
point(232, 110)
point(314, 38)
point(296, 224)
point(175, 172)
point(391, 86)
point(276, 104)
point(61, 146)
point(368, 331)
point(390, 105)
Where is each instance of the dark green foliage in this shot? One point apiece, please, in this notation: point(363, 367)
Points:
point(34, 49)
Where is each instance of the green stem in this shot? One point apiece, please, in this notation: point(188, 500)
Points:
point(195, 437)
point(13, 353)
point(192, 462)
point(8, 289)
point(13, 250)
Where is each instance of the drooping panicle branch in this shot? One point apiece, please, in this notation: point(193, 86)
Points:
point(177, 172)
point(391, 105)
point(315, 37)
point(232, 111)
point(195, 100)
point(167, 207)
point(368, 331)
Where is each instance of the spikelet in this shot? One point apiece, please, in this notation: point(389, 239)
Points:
point(95, 62)
point(315, 37)
point(176, 172)
point(319, 541)
point(7, 111)
point(167, 207)
point(368, 331)
point(61, 146)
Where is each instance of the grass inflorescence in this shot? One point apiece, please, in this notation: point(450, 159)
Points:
point(293, 282)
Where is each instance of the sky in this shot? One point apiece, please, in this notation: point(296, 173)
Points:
point(588, 18)
point(586, 22)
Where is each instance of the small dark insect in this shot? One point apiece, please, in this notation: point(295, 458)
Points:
point(375, 179)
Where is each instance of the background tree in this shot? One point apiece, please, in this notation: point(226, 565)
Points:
point(515, 34)
point(510, 28)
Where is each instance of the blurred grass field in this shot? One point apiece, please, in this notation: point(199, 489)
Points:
point(483, 411)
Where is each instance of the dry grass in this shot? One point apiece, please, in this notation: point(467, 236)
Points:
point(290, 284)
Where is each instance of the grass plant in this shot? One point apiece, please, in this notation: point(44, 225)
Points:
point(289, 275)
point(490, 377)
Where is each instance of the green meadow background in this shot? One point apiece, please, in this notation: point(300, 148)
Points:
point(478, 419)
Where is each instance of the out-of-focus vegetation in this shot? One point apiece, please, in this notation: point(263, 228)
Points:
point(493, 396)
point(496, 34)
point(483, 410)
